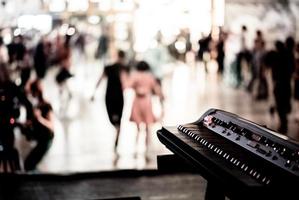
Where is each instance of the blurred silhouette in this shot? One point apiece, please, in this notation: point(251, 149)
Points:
point(145, 85)
point(221, 52)
point(257, 71)
point(181, 45)
point(16, 49)
point(157, 56)
point(25, 67)
point(103, 46)
point(243, 55)
point(204, 49)
point(114, 99)
point(281, 76)
point(41, 57)
point(64, 55)
point(40, 127)
point(11, 100)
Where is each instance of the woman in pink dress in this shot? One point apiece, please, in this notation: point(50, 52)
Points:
point(145, 85)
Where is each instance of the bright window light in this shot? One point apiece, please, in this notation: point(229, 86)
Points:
point(25, 21)
point(71, 31)
point(43, 23)
point(219, 6)
point(57, 6)
point(77, 5)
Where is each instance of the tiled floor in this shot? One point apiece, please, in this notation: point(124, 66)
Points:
point(84, 137)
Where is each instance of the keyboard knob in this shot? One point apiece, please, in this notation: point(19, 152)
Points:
point(288, 163)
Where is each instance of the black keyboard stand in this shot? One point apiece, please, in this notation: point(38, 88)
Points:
point(173, 163)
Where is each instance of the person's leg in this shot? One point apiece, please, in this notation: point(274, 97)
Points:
point(147, 136)
point(36, 155)
point(253, 78)
point(283, 126)
point(239, 69)
point(137, 138)
point(117, 127)
point(147, 142)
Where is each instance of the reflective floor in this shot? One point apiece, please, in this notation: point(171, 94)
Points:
point(84, 138)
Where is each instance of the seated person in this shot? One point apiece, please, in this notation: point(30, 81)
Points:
point(40, 128)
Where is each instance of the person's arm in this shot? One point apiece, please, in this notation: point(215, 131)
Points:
point(158, 90)
point(22, 97)
point(124, 78)
point(97, 85)
point(47, 121)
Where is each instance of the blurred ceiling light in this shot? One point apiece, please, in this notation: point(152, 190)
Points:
point(43, 23)
point(17, 32)
point(25, 21)
point(180, 45)
point(93, 19)
point(57, 6)
point(95, 1)
point(71, 31)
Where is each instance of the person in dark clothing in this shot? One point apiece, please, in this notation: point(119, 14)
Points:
point(221, 52)
point(203, 46)
point(25, 66)
point(103, 47)
point(114, 99)
point(16, 49)
point(281, 76)
point(40, 57)
point(19, 55)
point(290, 51)
point(40, 128)
point(11, 99)
point(20, 49)
point(64, 53)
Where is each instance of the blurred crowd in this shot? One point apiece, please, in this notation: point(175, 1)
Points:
point(22, 70)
